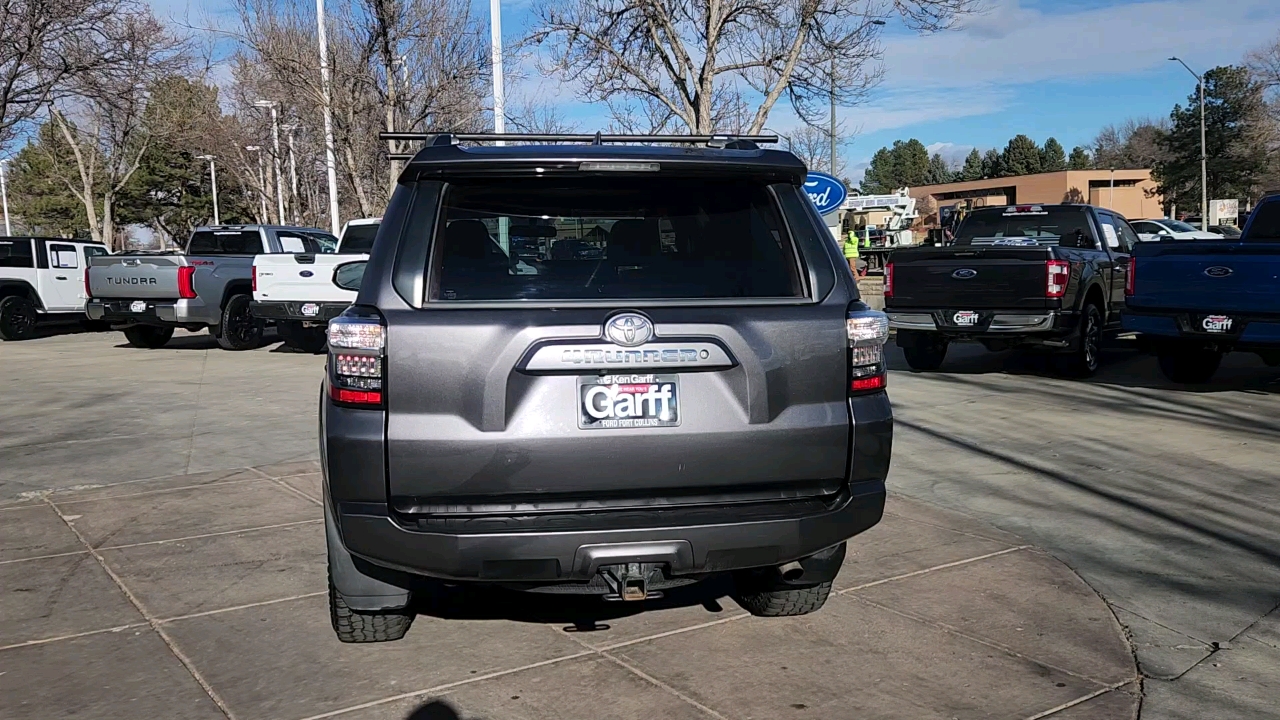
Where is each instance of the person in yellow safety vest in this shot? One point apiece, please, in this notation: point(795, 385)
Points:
point(851, 244)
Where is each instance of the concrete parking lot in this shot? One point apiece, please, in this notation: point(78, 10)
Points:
point(161, 554)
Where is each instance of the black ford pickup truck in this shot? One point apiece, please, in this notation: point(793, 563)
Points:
point(1043, 277)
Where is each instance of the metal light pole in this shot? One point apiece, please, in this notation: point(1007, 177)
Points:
point(213, 178)
point(262, 181)
point(4, 198)
point(330, 160)
point(499, 95)
point(275, 139)
point(1204, 163)
point(293, 175)
point(832, 131)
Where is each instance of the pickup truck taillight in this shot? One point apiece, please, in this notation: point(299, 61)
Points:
point(888, 280)
point(868, 330)
point(1131, 277)
point(255, 279)
point(1058, 272)
point(357, 357)
point(87, 294)
point(187, 282)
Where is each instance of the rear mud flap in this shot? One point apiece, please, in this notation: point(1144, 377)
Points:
point(358, 590)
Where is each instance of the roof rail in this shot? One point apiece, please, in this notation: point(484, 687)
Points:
point(719, 141)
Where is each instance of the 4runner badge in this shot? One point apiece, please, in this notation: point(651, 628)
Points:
point(1216, 324)
point(966, 317)
point(628, 329)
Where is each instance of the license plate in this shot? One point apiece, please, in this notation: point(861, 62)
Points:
point(310, 309)
point(138, 306)
point(1217, 323)
point(965, 318)
point(628, 401)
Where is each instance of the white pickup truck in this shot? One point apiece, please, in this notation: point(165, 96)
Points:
point(298, 292)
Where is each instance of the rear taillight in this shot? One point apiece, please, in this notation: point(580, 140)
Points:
point(1131, 277)
point(888, 280)
point(867, 331)
point(255, 278)
point(187, 282)
point(1057, 273)
point(87, 293)
point(357, 360)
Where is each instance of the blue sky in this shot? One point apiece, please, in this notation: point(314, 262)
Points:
point(1061, 68)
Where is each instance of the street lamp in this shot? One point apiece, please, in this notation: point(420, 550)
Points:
point(213, 178)
point(275, 137)
point(1204, 166)
point(262, 181)
point(330, 161)
point(4, 197)
point(499, 94)
point(293, 174)
point(832, 132)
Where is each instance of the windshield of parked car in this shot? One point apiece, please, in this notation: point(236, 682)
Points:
point(1179, 226)
point(358, 238)
point(1031, 225)
point(594, 238)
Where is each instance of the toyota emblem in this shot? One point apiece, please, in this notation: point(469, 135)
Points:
point(628, 329)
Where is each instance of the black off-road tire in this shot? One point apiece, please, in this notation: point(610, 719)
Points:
point(239, 330)
point(1083, 361)
point(148, 337)
point(361, 627)
point(785, 603)
point(926, 357)
point(299, 337)
point(1189, 366)
point(18, 318)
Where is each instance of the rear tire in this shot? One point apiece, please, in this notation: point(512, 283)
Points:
point(302, 338)
point(1189, 366)
point(1084, 360)
point(927, 354)
point(148, 337)
point(18, 318)
point(785, 603)
point(352, 626)
point(239, 330)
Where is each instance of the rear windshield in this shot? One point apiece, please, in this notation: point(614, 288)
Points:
point(16, 254)
point(600, 238)
point(1264, 226)
point(225, 242)
point(295, 241)
point(358, 238)
point(1021, 226)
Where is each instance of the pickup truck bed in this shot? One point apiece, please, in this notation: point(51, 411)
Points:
point(1192, 301)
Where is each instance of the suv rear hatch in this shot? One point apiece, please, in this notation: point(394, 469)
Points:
point(617, 342)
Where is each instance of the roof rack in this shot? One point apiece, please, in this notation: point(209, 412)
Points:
point(719, 141)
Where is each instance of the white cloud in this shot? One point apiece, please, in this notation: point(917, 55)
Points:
point(1011, 45)
point(953, 153)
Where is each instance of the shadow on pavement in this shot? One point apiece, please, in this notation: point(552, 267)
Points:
point(435, 710)
point(578, 613)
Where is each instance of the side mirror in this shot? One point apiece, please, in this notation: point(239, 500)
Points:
point(348, 276)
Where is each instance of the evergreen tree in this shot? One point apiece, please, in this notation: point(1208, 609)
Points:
point(1052, 157)
point(37, 194)
point(880, 173)
point(1021, 156)
point(906, 164)
point(939, 172)
point(992, 164)
point(1237, 152)
point(1079, 159)
point(972, 169)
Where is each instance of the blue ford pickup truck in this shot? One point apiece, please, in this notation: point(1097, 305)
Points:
point(1192, 301)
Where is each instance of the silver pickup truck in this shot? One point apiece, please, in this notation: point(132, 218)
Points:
point(210, 285)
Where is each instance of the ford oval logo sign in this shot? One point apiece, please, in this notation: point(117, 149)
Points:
point(965, 274)
point(306, 273)
point(826, 192)
point(1218, 271)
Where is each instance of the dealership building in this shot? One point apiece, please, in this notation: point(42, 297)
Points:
point(1132, 193)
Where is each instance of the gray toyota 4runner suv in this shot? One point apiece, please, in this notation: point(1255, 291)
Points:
point(599, 369)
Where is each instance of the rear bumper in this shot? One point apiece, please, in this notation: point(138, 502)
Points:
point(318, 312)
point(184, 313)
point(1249, 332)
point(991, 324)
point(355, 487)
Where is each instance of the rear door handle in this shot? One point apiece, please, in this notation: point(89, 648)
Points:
point(61, 277)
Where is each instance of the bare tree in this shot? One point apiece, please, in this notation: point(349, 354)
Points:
point(102, 118)
point(813, 146)
point(44, 44)
point(541, 118)
point(696, 61)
